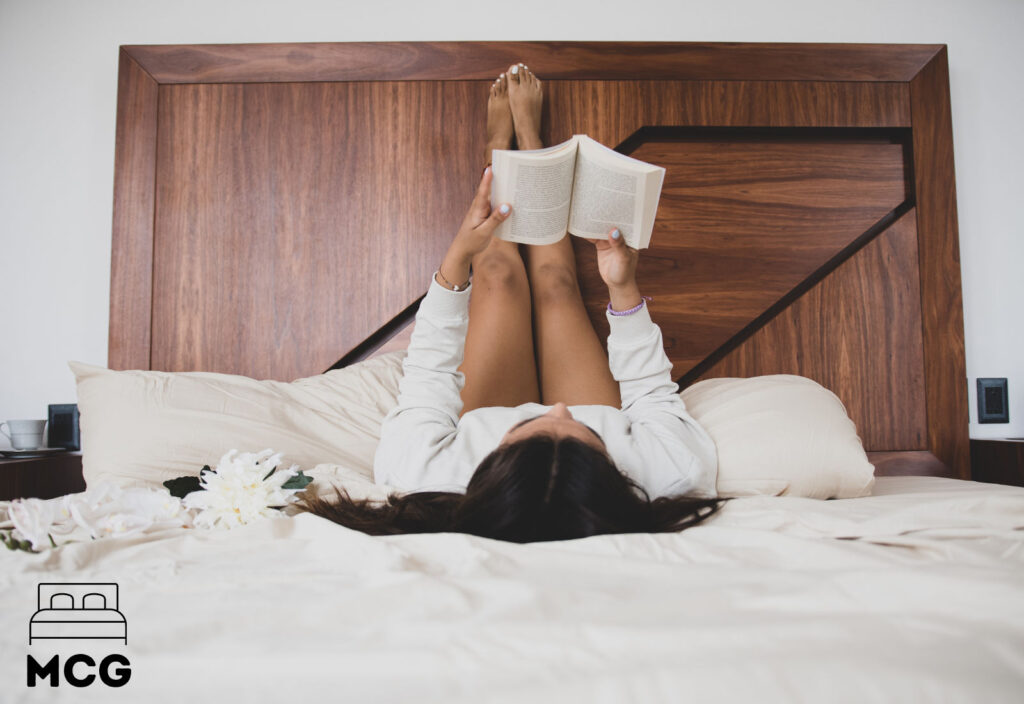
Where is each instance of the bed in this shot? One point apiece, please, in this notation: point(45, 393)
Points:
point(807, 226)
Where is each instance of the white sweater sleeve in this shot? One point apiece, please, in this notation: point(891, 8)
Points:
point(679, 455)
point(424, 421)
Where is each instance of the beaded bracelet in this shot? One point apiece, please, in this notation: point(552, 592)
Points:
point(632, 310)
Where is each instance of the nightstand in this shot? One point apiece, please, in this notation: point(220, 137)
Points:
point(41, 477)
point(998, 461)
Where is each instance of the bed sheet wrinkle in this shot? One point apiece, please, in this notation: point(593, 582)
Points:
point(965, 546)
point(886, 515)
point(744, 548)
point(444, 553)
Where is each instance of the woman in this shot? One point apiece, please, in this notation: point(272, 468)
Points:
point(512, 422)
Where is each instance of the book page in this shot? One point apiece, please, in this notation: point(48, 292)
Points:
point(614, 190)
point(604, 198)
point(538, 185)
point(652, 188)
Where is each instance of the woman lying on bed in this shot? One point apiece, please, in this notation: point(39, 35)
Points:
point(512, 422)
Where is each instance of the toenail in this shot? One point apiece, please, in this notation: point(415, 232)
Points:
point(515, 69)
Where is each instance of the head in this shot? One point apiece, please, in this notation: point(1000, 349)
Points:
point(558, 423)
point(550, 479)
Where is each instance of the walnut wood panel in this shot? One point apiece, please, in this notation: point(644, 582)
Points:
point(611, 111)
point(294, 219)
point(383, 61)
point(742, 224)
point(942, 305)
point(857, 333)
point(131, 263)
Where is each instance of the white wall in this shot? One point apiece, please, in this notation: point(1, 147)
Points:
point(58, 91)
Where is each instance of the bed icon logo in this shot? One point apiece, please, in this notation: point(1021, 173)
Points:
point(77, 610)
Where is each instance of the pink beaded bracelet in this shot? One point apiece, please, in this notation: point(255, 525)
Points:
point(632, 310)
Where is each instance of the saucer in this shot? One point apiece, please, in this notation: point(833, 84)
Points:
point(38, 452)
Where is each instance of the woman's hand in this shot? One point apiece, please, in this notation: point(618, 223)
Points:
point(475, 233)
point(616, 263)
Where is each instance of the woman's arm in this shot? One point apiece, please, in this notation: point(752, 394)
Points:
point(681, 456)
point(429, 399)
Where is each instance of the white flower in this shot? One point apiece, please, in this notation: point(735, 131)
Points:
point(37, 519)
point(110, 510)
point(243, 488)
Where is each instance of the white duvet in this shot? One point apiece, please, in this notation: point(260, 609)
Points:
point(915, 594)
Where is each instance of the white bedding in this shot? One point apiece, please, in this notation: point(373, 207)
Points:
point(915, 594)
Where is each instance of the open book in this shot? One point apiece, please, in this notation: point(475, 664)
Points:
point(581, 187)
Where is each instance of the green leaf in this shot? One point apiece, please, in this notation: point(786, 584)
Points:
point(299, 481)
point(182, 486)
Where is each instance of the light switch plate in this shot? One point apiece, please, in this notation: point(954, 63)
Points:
point(993, 401)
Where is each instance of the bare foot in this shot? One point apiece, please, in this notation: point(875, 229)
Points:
point(499, 118)
point(526, 98)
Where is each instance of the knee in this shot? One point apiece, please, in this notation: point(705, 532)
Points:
point(554, 284)
point(500, 271)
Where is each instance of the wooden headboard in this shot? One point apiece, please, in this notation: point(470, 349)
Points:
point(279, 207)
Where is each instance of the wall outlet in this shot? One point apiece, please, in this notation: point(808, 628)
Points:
point(993, 401)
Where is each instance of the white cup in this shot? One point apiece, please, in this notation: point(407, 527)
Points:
point(24, 434)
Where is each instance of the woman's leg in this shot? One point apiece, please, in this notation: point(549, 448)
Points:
point(499, 364)
point(572, 364)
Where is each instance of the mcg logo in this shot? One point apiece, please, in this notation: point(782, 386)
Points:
point(78, 611)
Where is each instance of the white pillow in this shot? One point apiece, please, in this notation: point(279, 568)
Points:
point(142, 427)
point(775, 434)
point(781, 435)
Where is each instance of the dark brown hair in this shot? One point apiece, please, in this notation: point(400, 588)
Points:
point(540, 488)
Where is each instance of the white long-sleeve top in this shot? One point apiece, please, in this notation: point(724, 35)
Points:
point(426, 446)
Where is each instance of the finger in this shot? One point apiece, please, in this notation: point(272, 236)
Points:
point(482, 200)
point(483, 191)
point(498, 216)
point(615, 239)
